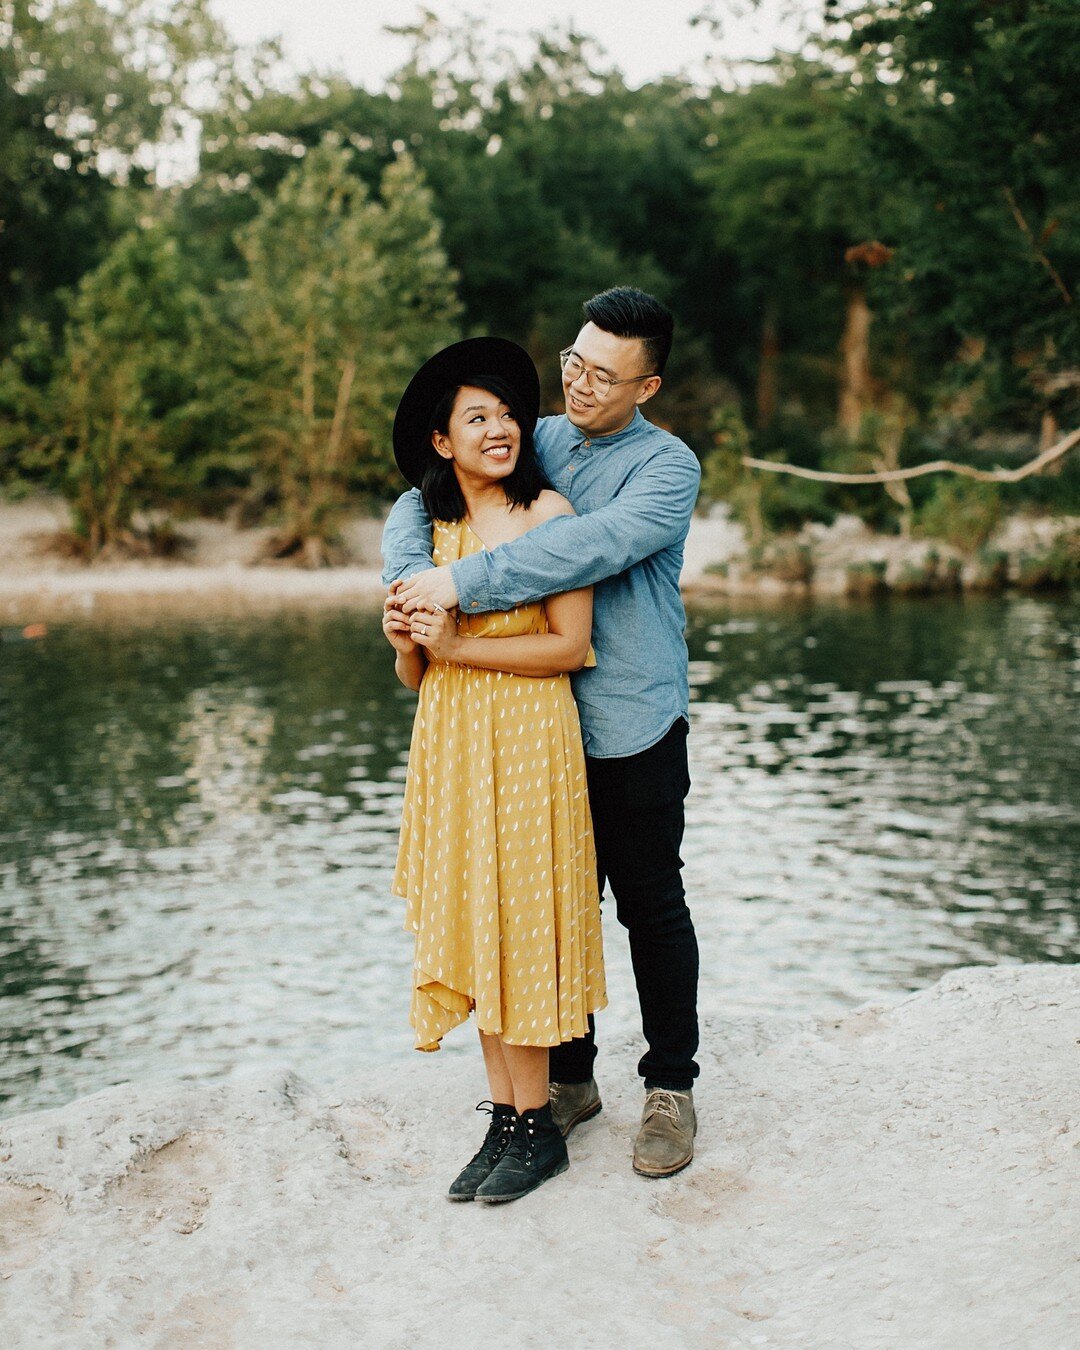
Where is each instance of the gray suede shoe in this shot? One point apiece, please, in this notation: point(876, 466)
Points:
point(573, 1103)
point(665, 1142)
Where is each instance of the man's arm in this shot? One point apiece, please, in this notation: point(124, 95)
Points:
point(650, 513)
point(406, 541)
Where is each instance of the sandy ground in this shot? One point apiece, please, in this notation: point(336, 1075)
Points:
point(220, 571)
point(907, 1175)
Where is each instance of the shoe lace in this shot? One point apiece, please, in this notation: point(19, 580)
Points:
point(495, 1130)
point(523, 1144)
point(660, 1102)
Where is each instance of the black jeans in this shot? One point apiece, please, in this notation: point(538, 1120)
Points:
point(637, 812)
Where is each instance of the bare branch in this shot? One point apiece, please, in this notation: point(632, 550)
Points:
point(1033, 466)
point(1020, 219)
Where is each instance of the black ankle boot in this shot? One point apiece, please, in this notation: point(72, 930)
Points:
point(537, 1153)
point(497, 1140)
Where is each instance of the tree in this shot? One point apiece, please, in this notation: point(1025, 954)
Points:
point(123, 385)
point(54, 207)
point(344, 296)
point(965, 113)
point(551, 177)
point(116, 80)
point(787, 200)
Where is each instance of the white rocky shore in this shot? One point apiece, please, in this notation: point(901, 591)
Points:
point(905, 1175)
point(222, 569)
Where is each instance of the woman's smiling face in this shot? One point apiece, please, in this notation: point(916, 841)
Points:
point(482, 437)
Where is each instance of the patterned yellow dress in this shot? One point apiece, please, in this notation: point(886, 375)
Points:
point(496, 860)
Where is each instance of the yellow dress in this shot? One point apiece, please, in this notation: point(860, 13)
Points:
point(496, 861)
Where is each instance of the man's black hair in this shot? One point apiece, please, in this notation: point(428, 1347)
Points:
point(630, 313)
point(439, 486)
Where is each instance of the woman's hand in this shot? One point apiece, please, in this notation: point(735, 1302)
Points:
point(396, 627)
point(436, 631)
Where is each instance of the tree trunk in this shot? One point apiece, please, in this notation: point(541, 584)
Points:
point(768, 380)
point(856, 382)
point(1049, 431)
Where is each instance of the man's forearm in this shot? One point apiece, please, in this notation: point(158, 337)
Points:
point(406, 540)
point(571, 552)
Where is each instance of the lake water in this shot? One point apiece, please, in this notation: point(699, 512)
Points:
point(198, 825)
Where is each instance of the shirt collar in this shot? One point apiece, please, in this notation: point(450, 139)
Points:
point(612, 438)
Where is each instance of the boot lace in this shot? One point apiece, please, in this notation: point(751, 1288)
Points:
point(662, 1103)
point(523, 1144)
point(494, 1142)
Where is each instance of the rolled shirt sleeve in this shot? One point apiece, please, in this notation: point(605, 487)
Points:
point(406, 540)
point(651, 512)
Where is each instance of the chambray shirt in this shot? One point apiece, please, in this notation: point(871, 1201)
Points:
point(634, 493)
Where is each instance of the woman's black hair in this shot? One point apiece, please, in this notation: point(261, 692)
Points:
point(439, 486)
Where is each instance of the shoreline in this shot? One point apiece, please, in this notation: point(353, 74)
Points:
point(222, 573)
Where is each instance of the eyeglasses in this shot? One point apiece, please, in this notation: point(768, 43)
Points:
point(597, 380)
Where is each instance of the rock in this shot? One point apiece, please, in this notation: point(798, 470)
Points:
point(904, 1175)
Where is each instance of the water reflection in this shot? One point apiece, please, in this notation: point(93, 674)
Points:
point(198, 828)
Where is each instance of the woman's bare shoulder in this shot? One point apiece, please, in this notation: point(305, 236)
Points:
point(549, 505)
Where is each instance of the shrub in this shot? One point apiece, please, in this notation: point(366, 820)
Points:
point(1058, 567)
point(864, 580)
point(991, 571)
point(785, 560)
point(962, 512)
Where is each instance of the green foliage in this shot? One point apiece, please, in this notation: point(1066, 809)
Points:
point(865, 580)
point(789, 561)
point(118, 400)
point(966, 114)
point(785, 200)
point(332, 236)
point(764, 503)
point(1064, 557)
point(1057, 567)
point(991, 571)
point(91, 96)
point(962, 512)
point(25, 376)
point(343, 297)
point(116, 78)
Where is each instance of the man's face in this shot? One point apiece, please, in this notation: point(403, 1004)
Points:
point(587, 405)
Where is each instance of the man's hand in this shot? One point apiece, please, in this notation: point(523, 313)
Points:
point(432, 590)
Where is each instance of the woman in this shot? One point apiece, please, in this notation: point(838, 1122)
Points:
point(496, 860)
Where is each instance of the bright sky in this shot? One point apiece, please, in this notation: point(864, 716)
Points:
point(645, 39)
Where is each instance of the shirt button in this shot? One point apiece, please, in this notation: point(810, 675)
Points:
point(587, 444)
point(572, 468)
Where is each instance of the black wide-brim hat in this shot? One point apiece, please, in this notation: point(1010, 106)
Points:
point(472, 361)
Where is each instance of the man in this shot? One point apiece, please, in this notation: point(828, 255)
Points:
point(633, 487)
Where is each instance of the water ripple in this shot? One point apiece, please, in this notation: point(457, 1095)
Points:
point(199, 827)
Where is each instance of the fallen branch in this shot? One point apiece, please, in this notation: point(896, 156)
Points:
point(1033, 466)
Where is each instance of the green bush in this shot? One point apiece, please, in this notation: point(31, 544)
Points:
point(1065, 557)
point(962, 512)
point(865, 579)
point(1058, 567)
point(785, 560)
point(991, 571)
